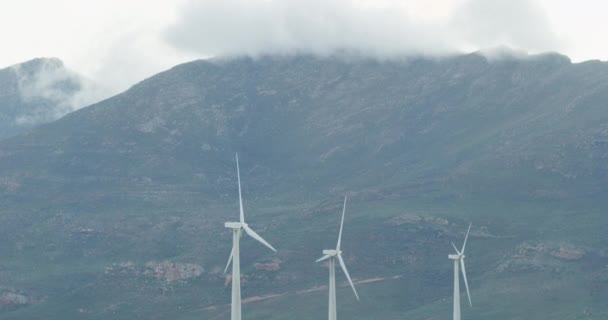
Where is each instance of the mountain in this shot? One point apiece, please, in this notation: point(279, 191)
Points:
point(117, 210)
point(39, 91)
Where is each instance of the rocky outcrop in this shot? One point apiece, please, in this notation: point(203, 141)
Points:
point(166, 271)
point(412, 218)
point(274, 265)
point(541, 256)
point(10, 298)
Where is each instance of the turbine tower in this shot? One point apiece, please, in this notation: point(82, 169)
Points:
point(332, 255)
point(459, 259)
point(237, 228)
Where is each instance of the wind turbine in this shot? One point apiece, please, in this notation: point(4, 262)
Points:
point(459, 259)
point(332, 255)
point(237, 227)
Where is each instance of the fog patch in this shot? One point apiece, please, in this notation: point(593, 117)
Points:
point(518, 24)
point(49, 91)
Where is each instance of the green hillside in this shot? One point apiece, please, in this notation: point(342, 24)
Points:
point(117, 210)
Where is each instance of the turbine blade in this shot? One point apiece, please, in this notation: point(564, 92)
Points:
point(238, 174)
point(453, 245)
point(229, 260)
point(465, 238)
point(341, 225)
point(323, 258)
point(257, 237)
point(466, 284)
point(347, 275)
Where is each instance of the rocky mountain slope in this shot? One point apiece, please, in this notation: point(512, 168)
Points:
point(117, 210)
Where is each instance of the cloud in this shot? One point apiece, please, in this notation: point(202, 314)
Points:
point(253, 27)
point(130, 57)
point(520, 24)
point(117, 48)
point(316, 26)
point(130, 53)
point(115, 42)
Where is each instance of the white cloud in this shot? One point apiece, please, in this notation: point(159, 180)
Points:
point(521, 24)
point(316, 26)
point(115, 43)
point(381, 28)
point(120, 42)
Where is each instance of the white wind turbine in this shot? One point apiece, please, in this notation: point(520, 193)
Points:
point(459, 259)
point(332, 255)
point(237, 227)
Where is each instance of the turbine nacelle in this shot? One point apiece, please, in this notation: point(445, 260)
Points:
point(332, 253)
point(235, 225)
point(455, 256)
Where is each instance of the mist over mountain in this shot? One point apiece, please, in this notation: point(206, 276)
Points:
point(40, 91)
point(382, 29)
point(123, 202)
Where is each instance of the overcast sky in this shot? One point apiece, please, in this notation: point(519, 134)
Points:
point(120, 42)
